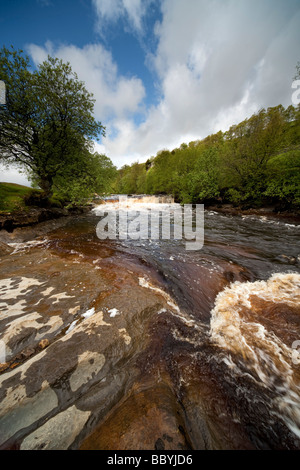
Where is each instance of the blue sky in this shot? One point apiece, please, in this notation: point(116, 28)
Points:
point(164, 72)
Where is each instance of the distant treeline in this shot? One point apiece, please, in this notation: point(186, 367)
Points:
point(254, 163)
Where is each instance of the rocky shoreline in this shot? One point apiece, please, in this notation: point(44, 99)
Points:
point(36, 215)
point(268, 211)
point(74, 329)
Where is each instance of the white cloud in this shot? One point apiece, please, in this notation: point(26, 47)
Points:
point(217, 62)
point(13, 175)
point(210, 55)
point(133, 11)
point(116, 96)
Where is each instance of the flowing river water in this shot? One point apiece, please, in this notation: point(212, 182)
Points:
point(142, 344)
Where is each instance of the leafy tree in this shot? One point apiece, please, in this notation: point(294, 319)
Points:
point(254, 162)
point(104, 173)
point(249, 146)
point(283, 182)
point(129, 177)
point(160, 173)
point(91, 173)
point(297, 76)
point(47, 123)
point(204, 180)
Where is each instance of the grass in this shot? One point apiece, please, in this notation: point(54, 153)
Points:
point(11, 197)
point(15, 197)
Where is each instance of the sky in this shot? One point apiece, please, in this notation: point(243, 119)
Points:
point(163, 72)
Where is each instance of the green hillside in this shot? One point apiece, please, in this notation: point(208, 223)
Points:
point(254, 163)
point(12, 196)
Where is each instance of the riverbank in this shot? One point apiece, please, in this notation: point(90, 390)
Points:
point(22, 206)
point(36, 215)
point(267, 211)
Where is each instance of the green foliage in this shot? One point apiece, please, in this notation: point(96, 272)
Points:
point(204, 181)
point(47, 121)
point(88, 174)
point(12, 196)
point(131, 179)
point(254, 162)
point(36, 198)
point(15, 197)
point(283, 180)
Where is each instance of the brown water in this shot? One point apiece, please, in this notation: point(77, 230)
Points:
point(206, 356)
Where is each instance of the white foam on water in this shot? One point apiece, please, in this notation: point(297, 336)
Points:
point(113, 312)
point(263, 352)
point(89, 313)
point(174, 307)
point(22, 246)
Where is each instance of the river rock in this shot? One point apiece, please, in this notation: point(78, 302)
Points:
point(111, 345)
point(59, 432)
point(64, 342)
point(148, 419)
point(5, 249)
point(37, 215)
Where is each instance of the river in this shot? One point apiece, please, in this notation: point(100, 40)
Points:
point(143, 344)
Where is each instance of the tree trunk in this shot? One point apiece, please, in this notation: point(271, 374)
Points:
point(46, 185)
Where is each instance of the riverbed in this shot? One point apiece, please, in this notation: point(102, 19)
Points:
point(142, 344)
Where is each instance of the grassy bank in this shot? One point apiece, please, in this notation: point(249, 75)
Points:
point(18, 198)
point(13, 197)
point(21, 206)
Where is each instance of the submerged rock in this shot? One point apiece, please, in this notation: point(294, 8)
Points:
point(5, 249)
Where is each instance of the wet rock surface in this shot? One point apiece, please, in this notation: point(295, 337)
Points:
point(35, 215)
point(148, 419)
point(109, 346)
point(5, 249)
point(73, 324)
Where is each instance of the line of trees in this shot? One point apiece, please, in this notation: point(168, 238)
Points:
point(47, 127)
point(254, 163)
